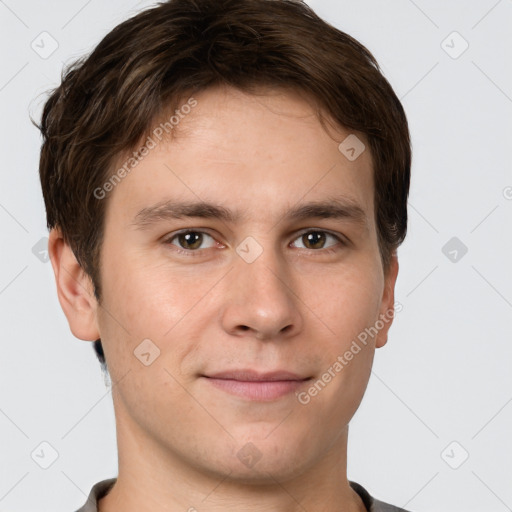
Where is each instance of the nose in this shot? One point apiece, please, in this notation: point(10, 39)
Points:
point(259, 300)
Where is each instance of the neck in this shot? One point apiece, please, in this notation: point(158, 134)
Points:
point(153, 477)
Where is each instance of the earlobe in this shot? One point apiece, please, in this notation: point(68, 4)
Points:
point(387, 310)
point(74, 289)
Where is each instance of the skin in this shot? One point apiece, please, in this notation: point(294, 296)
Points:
point(297, 307)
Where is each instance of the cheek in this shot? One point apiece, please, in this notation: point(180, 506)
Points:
point(348, 303)
point(348, 306)
point(344, 303)
point(148, 297)
point(150, 301)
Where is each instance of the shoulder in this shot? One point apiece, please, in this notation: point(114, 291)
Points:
point(372, 504)
point(97, 492)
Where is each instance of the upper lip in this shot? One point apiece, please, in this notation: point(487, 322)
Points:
point(254, 376)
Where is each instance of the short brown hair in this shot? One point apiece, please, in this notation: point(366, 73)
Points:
point(107, 102)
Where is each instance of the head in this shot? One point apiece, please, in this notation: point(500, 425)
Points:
point(233, 120)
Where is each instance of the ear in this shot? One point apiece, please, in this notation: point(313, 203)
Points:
point(387, 309)
point(74, 288)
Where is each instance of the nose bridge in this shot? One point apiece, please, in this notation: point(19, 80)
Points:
point(261, 300)
point(267, 277)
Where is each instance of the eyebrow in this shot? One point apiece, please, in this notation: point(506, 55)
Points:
point(334, 208)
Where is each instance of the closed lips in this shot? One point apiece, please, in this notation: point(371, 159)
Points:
point(254, 386)
point(252, 376)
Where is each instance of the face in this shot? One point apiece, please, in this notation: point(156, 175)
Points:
point(239, 265)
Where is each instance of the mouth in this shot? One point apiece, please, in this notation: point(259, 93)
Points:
point(256, 386)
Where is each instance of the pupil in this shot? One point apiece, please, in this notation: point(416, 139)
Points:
point(191, 240)
point(315, 239)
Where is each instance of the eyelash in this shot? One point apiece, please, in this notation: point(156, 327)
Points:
point(197, 252)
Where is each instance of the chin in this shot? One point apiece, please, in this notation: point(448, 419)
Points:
point(265, 461)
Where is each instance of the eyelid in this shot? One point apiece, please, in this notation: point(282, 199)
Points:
point(167, 239)
point(340, 238)
point(320, 230)
point(197, 252)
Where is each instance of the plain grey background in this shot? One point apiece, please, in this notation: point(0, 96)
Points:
point(433, 431)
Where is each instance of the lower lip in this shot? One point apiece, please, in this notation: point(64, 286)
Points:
point(263, 391)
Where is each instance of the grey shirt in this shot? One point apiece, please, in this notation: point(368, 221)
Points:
point(372, 505)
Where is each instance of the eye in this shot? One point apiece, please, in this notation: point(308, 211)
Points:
point(192, 240)
point(318, 240)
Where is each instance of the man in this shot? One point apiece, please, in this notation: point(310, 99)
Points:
point(226, 186)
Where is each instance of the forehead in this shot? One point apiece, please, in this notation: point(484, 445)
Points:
point(257, 154)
